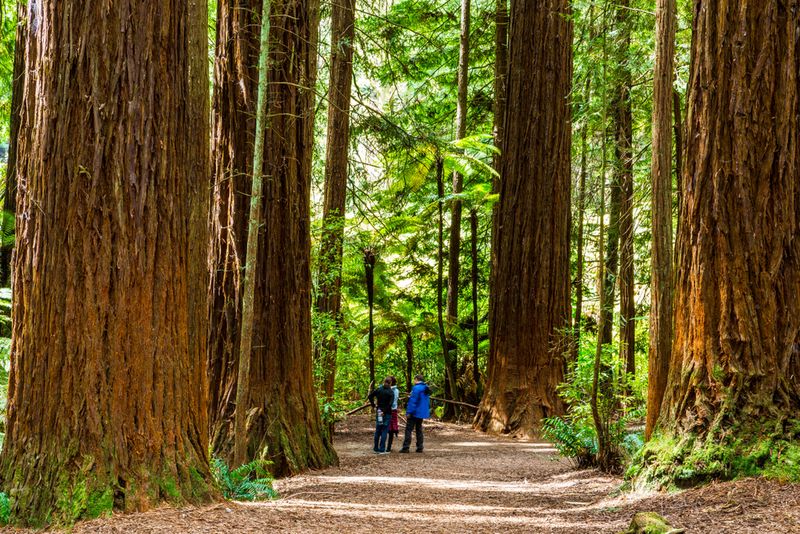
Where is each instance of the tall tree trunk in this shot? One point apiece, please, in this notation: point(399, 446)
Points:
point(329, 299)
point(473, 224)
point(624, 155)
point(369, 271)
point(735, 361)
point(454, 253)
point(498, 128)
point(106, 404)
point(254, 223)
point(576, 324)
point(611, 267)
point(409, 359)
point(448, 369)
point(661, 270)
point(530, 309)
point(677, 127)
point(17, 89)
point(283, 421)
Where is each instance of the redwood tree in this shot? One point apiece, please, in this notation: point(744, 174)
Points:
point(530, 303)
point(283, 421)
point(661, 212)
point(735, 362)
point(329, 299)
point(106, 405)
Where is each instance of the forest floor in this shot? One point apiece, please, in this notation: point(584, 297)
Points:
point(468, 482)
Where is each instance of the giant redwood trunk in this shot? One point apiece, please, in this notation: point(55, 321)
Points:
point(735, 361)
point(106, 405)
point(329, 300)
point(530, 302)
point(283, 421)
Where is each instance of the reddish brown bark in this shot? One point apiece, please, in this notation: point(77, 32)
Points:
point(530, 308)
point(737, 319)
point(283, 415)
point(661, 261)
point(329, 300)
point(106, 405)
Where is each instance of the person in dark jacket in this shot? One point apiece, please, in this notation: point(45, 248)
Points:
point(384, 397)
point(417, 409)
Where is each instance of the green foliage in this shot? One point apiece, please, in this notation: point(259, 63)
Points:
point(248, 482)
point(573, 440)
point(5, 508)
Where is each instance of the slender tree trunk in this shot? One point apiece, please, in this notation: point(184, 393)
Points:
point(661, 270)
point(735, 362)
point(576, 328)
point(329, 299)
point(369, 271)
point(476, 373)
point(253, 225)
point(448, 369)
point(17, 89)
point(454, 253)
point(624, 170)
point(283, 422)
point(106, 387)
point(530, 310)
point(409, 360)
point(611, 267)
point(677, 127)
point(498, 128)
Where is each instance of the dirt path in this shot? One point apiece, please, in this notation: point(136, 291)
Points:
point(469, 482)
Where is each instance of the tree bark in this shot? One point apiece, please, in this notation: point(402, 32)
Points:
point(283, 421)
point(329, 299)
point(661, 270)
point(369, 272)
point(448, 369)
point(624, 155)
point(454, 252)
point(106, 404)
point(476, 373)
point(409, 360)
point(498, 130)
point(17, 89)
point(737, 317)
point(530, 311)
point(254, 223)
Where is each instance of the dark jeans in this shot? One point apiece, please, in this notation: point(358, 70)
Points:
point(415, 424)
point(391, 439)
point(381, 430)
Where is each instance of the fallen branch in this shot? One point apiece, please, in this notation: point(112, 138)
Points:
point(353, 412)
point(455, 402)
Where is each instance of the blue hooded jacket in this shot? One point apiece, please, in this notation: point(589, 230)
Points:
point(419, 404)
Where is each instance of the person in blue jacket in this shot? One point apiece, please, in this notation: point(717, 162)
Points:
point(417, 409)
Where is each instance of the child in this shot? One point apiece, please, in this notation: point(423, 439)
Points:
point(419, 408)
point(385, 397)
point(394, 425)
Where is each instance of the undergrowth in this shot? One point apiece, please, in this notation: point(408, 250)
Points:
point(248, 482)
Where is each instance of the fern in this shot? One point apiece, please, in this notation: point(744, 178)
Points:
point(572, 441)
point(248, 482)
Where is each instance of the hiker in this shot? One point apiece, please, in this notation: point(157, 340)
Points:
point(384, 397)
point(418, 408)
point(394, 424)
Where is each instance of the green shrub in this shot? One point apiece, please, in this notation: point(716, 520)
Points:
point(576, 442)
point(248, 482)
point(5, 508)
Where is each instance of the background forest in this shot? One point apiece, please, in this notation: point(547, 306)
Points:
point(504, 212)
